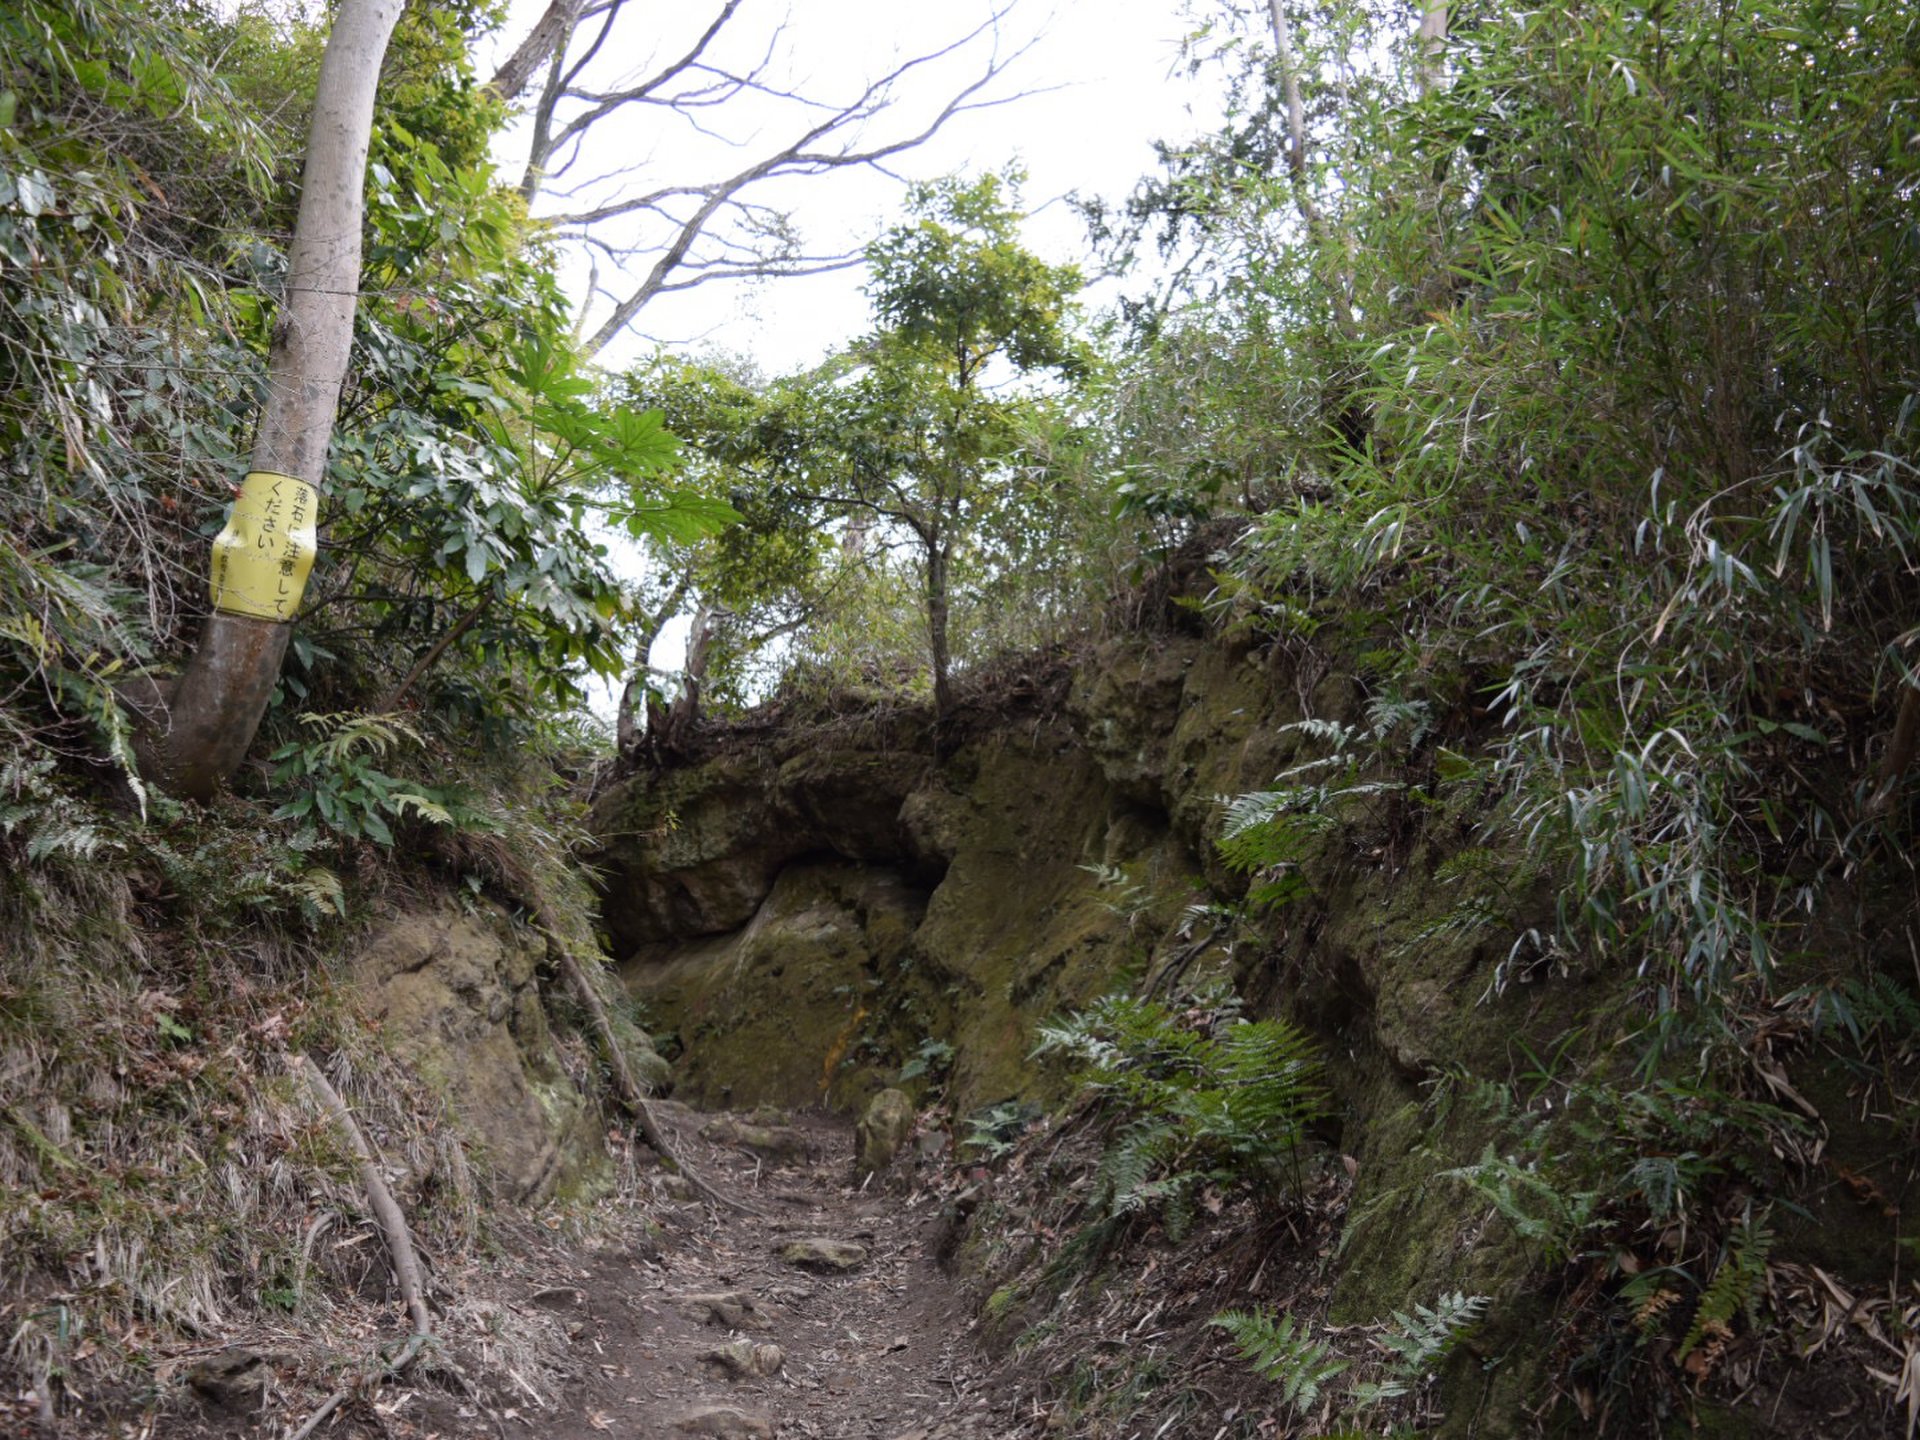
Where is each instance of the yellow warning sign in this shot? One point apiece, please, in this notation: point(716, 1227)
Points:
point(262, 559)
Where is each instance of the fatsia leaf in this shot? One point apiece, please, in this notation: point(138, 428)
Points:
point(679, 516)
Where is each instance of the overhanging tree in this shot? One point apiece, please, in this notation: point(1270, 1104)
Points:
point(924, 428)
point(262, 558)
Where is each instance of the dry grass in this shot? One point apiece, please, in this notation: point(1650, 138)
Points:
point(167, 1189)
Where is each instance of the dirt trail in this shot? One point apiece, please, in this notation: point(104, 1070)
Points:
point(883, 1351)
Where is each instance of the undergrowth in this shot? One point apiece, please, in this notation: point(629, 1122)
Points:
point(1190, 1100)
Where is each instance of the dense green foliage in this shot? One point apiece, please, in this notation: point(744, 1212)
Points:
point(1560, 389)
point(1619, 446)
point(472, 461)
point(920, 448)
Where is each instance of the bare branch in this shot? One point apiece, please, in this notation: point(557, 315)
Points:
point(692, 234)
point(534, 51)
point(799, 158)
point(652, 85)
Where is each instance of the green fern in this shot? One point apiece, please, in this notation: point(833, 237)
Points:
point(1284, 1352)
point(1232, 1107)
point(1197, 1098)
point(1265, 833)
point(1537, 1206)
point(48, 824)
point(1421, 1340)
point(1735, 1289)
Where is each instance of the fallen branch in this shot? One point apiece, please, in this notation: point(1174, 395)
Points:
point(393, 1229)
point(631, 1092)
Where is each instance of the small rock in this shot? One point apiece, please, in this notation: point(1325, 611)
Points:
point(678, 1187)
point(234, 1380)
point(724, 1422)
point(744, 1360)
point(829, 1256)
point(777, 1144)
point(558, 1298)
point(731, 1309)
point(883, 1130)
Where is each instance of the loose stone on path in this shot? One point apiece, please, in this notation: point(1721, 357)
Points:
point(744, 1360)
point(829, 1256)
point(732, 1310)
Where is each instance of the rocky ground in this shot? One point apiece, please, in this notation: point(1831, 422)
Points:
point(821, 1313)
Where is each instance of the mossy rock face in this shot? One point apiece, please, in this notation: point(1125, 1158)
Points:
point(454, 993)
point(697, 850)
point(1125, 706)
point(1022, 927)
point(780, 1012)
point(847, 965)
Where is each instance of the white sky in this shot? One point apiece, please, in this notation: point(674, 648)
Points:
point(1106, 87)
point(1107, 67)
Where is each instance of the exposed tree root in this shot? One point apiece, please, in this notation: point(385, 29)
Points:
point(632, 1094)
point(393, 1228)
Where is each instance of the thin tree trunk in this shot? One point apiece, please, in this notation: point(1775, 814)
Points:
point(937, 600)
point(540, 149)
point(1297, 169)
point(626, 727)
point(391, 700)
point(534, 51)
point(262, 558)
point(1432, 40)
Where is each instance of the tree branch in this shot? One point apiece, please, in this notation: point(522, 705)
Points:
point(1297, 170)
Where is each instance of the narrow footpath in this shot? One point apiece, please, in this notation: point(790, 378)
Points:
point(825, 1314)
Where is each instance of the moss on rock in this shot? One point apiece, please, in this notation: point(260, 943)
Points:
point(453, 991)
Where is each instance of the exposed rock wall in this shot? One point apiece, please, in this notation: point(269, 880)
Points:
point(808, 907)
point(1054, 854)
point(873, 902)
point(453, 990)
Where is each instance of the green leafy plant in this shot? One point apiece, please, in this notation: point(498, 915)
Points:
point(931, 1058)
point(1195, 1097)
point(1417, 1341)
point(1284, 1352)
point(1738, 1284)
point(995, 1130)
point(343, 790)
point(1266, 834)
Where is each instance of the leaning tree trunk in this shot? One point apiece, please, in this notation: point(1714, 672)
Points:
point(262, 558)
point(686, 705)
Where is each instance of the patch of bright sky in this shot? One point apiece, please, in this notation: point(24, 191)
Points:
point(1103, 82)
point(1106, 83)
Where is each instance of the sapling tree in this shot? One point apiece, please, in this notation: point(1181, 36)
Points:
point(927, 425)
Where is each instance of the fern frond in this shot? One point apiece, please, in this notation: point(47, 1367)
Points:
point(1284, 1352)
point(1736, 1287)
point(1421, 1340)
